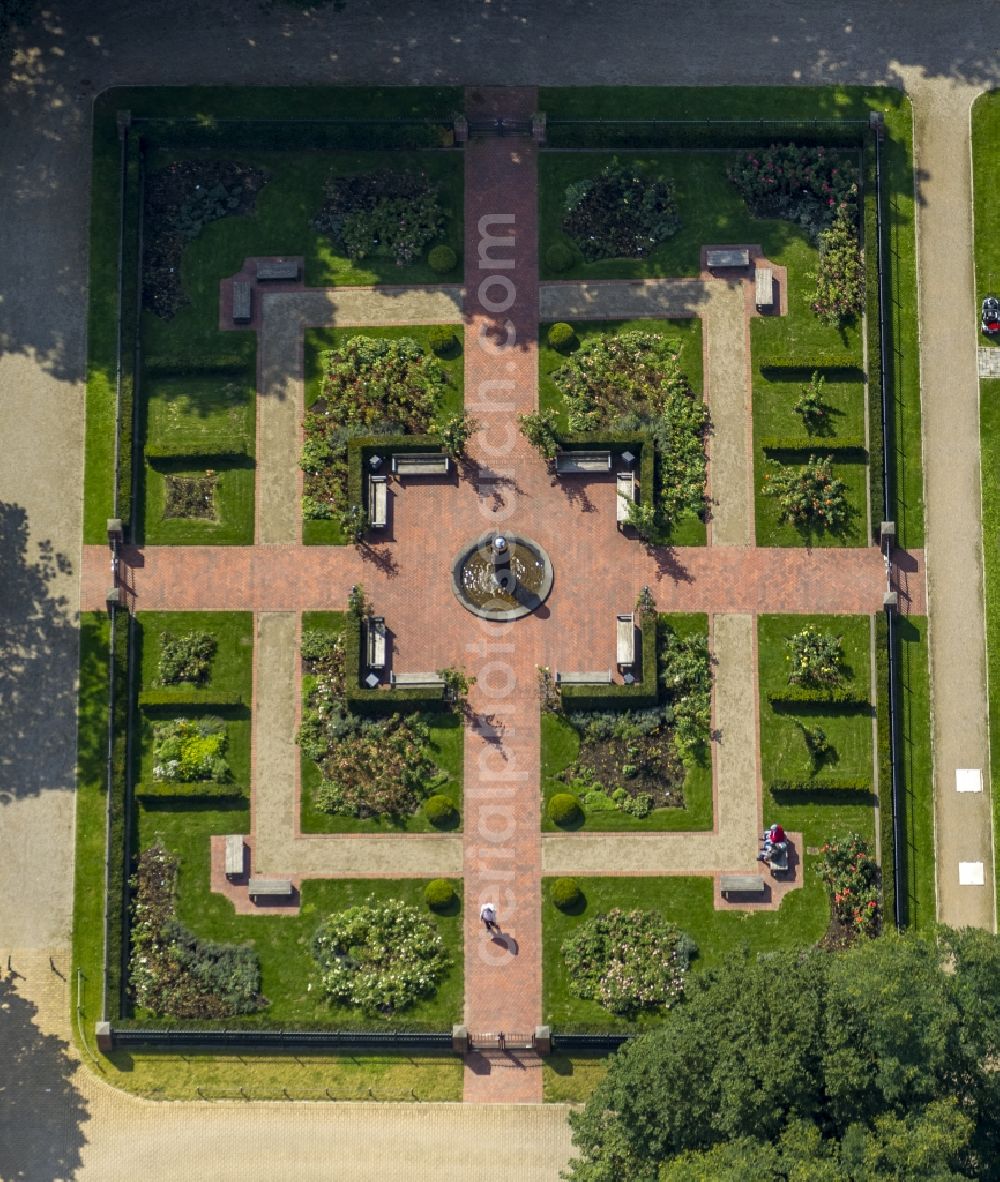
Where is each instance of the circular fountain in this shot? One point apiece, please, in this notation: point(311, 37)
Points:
point(501, 577)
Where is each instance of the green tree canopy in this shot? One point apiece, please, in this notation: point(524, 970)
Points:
point(870, 1064)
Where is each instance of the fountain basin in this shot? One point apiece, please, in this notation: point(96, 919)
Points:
point(501, 586)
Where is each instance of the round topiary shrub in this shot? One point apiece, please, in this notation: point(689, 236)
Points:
point(565, 893)
point(559, 257)
point(561, 337)
point(441, 259)
point(441, 339)
point(439, 894)
point(564, 809)
point(439, 810)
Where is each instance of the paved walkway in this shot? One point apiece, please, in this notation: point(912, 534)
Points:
point(284, 317)
point(311, 578)
point(950, 396)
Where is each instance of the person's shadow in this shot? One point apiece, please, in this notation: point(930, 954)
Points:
point(507, 941)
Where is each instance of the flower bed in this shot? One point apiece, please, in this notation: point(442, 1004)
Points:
point(629, 961)
point(810, 497)
point(633, 382)
point(815, 659)
point(180, 201)
point(191, 497)
point(621, 213)
point(385, 214)
point(172, 972)
point(371, 386)
point(852, 877)
point(185, 750)
point(380, 957)
point(371, 767)
point(186, 658)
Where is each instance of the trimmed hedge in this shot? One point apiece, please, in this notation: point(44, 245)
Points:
point(358, 697)
point(131, 299)
point(181, 696)
point(823, 784)
point(796, 695)
point(641, 444)
point(644, 693)
point(565, 893)
point(883, 756)
point(816, 446)
point(442, 259)
point(876, 470)
point(841, 363)
point(290, 135)
point(118, 840)
point(439, 894)
point(360, 449)
point(191, 790)
point(189, 365)
point(196, 453)
point(700, 133)
point(439, 809)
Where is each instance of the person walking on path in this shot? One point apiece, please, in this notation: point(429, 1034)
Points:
point(488, 914)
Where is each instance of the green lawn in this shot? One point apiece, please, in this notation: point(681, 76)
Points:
point(320, 340)
point(688, 902)
point(774, 415)
point(561, 747)
point(917, 800)
point(447, 742)
point(689, 530)
point(985, 166)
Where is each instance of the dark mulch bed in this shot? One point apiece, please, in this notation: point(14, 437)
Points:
point(657, 770)
point(191, 497)
point(180, 201)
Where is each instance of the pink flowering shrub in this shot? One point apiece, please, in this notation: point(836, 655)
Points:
point(840, 277)
point(852, 876)
point(810, 497)
point(629, 961)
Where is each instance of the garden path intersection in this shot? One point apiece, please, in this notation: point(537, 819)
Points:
point(599, 570)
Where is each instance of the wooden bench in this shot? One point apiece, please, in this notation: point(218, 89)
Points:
point(421, 464)
point(741, 884)
point(272, 271)
point(272, 888)
point(234, 855)
point(376, 642)
point(579, 463)
point(625, 496)
point(415, 680)
point(242, 301)
point(626, 640)
point(599, 677)
point(377, 501)
point(727, 258)
point(764, 298)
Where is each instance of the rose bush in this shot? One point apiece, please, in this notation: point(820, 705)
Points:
point(621, 213)
point(815, 659)
point(387, 214)
point(852, 877)
point(380, 957)
point(629, 961)
point(810, 497)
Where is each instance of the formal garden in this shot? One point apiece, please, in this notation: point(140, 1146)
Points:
point(619, 954)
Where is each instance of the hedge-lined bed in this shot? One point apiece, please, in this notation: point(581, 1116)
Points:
point(835, 795)
point(445, 744)
point(223, 693)
point(561, 748)
point(781, 439)
point(686, 334)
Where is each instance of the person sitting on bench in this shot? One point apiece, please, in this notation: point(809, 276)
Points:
point(775, 841)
